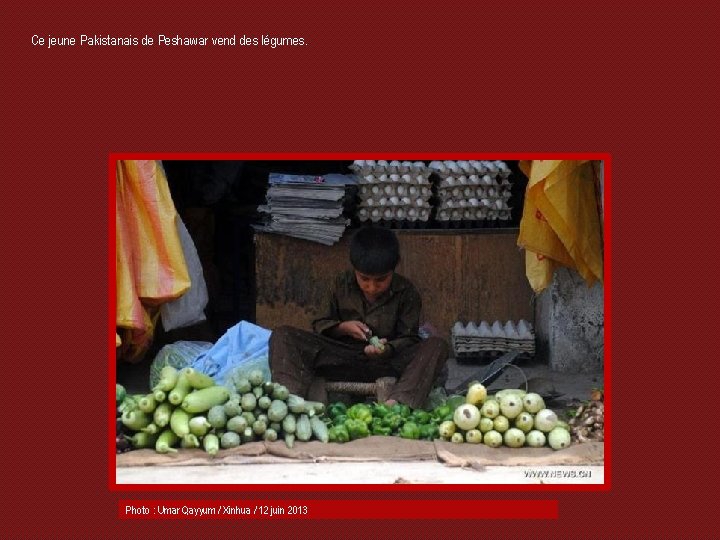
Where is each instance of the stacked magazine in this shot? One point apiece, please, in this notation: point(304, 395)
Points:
point(308, 207)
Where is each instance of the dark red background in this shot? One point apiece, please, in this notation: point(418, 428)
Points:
point(565, 76)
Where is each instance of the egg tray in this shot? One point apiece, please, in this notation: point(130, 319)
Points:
point(482, 349)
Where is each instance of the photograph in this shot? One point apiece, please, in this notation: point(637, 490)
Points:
point(399, 321)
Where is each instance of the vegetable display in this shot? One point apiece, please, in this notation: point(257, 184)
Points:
point(513, 418)
point(186, 409)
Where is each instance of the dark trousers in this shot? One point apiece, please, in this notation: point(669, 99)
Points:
point(303, 361)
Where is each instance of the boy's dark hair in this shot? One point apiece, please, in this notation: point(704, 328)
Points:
point(374, 251)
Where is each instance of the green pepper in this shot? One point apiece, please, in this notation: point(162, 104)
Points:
point(393, 421)
point(379, 429)
point(410, 430)
point(357, 429)
point(420, 417)
point(429, 432)
point(338, 434)
point(336, 409)
point(380, 410)
point(401, 409)
point(339, 420)
point(441, 411)
point(361, 412)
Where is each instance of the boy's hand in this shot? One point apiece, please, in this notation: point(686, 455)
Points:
point(355, 329)
point(371, 350)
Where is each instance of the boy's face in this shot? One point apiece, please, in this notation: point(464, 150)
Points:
point(373, 286)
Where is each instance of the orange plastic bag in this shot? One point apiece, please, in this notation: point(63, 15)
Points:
point(560, 223)
point(150, 264)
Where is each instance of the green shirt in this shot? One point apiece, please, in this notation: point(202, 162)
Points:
point(394, 316)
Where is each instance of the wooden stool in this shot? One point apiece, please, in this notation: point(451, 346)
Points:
point(380, 388)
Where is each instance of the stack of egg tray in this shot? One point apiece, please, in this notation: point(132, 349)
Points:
point(486, 341)
point(393, 194)
point(472, 193)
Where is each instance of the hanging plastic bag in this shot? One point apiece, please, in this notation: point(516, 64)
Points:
point(560, 223)
point(150, 264)
point(241, 349)
point(189, 309)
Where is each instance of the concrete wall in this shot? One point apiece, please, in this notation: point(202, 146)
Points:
point(570, 319)
point(570, 323)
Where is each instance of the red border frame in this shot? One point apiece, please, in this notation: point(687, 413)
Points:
point(393, 488)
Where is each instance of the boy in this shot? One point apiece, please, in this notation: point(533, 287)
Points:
point(369, 300)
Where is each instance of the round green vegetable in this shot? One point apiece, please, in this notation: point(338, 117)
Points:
point(501, 424)
point(559, 438)
point(229, 439)
point(256, 377)
point(216, 416)
point(237, 424)
point(514, 438)
point(248, 402)
point(493, 439)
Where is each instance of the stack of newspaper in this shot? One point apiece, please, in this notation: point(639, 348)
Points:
point(309, 207)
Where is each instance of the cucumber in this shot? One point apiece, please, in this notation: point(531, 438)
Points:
point(230, 439)
point(258, 392)
point(263, 418)
point(268, 388)
point(151, 428)
point(159, 396)
point(182, 389)
point(202, 400)
point(275, 426)
point(315, 406)
point(319, 429)
point(296, 404)
point(289, 440)
point(280, 392)
point(199, 426)
point(277, 411)
point(168, 379)
point(303, 430)
point(180, 422)
point(237, 424)
point(161, 416)
point(211, 443)
point(289, 424)
point(147, 404)
point(270, 435)
point(135, 419)
point(216, 417)
point(143, 440)
point(197, 379)
point(190, 441)
point(165, 442)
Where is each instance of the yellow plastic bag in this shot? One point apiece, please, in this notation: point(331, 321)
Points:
point(560, 223)
point(150, 264)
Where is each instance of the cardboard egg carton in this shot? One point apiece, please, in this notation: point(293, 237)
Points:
point(488, 339)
